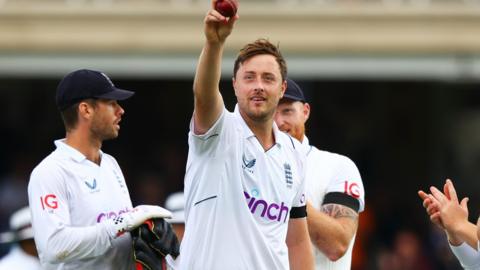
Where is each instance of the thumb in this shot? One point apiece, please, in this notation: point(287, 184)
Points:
point(232, 20)
point(464, 203)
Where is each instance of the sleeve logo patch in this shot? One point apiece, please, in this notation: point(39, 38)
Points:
point(49, 201)
point(352, 189)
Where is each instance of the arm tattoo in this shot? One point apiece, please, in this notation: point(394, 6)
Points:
point(339, 211)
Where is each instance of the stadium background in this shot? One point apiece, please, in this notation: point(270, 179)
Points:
point(393, 84)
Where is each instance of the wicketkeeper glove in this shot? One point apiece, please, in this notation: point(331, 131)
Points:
point(134, 218)
point(145, 257)
point(152, 242)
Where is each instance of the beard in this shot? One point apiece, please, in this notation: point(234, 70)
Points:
point(103, 131)
point(258, 113)
point(298, 133)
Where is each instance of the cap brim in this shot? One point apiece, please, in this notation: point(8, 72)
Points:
point(117, 94)
point(292, 97)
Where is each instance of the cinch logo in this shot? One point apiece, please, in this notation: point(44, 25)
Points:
point(110, 215)
point(273, 211)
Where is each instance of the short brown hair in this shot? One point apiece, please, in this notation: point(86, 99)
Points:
point(70, 114)
point(260, 46)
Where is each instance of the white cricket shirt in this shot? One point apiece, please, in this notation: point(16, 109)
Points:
point(69, 197)
point(326, 173)
point(238, 197)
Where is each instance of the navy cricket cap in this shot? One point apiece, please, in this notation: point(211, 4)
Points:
point(294, 91)
point(84, 84)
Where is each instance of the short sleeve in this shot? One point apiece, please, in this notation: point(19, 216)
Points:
point(299, 201)
point(210, 140)
point(347, 180)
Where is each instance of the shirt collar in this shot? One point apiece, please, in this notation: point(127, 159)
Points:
point(248, 133)
point(305, 141)
point(70, 151)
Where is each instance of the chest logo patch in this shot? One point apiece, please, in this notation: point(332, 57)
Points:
point(93, 185)
point(248, 164)
point(288, 175)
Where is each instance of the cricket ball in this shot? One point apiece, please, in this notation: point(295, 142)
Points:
point(227, 8)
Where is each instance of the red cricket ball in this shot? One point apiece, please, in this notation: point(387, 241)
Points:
point(227, 8)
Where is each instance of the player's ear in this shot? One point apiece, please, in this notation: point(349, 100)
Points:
point(234, 83)
point(284, 87)
point(85, 110)
point(306, 110)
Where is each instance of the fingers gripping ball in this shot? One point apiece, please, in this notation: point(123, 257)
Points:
point(161, 237)
point(227, 8)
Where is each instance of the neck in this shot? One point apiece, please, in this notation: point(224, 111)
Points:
point(302, 137)
point(85, 144)
point(263, 131)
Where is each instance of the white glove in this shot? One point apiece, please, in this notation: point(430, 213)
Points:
point(134, 218)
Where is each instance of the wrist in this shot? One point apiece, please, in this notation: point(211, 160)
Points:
point(456, 232)
point(130, 220)
point(453, 239)
point(214, 44)
point(115, 227)
point(458, 228)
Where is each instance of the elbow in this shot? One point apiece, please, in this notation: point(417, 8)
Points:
point(55, 251)
point(336, 254)
point(53, 256)
point(336, 251)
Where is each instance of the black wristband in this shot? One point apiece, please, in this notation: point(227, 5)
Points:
point(343, 199)
point(298, 212)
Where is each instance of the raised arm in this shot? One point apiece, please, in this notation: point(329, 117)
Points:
point(208, 101)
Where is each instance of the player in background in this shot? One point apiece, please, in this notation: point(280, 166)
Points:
point(22, 254)
point(80, 204)
point(335, 191)
point(244, 189)
point(451, 215)
point(175, 203)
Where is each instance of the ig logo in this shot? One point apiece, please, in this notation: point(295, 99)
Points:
point(49, 201)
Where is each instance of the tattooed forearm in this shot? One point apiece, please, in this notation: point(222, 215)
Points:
point(339, 211)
